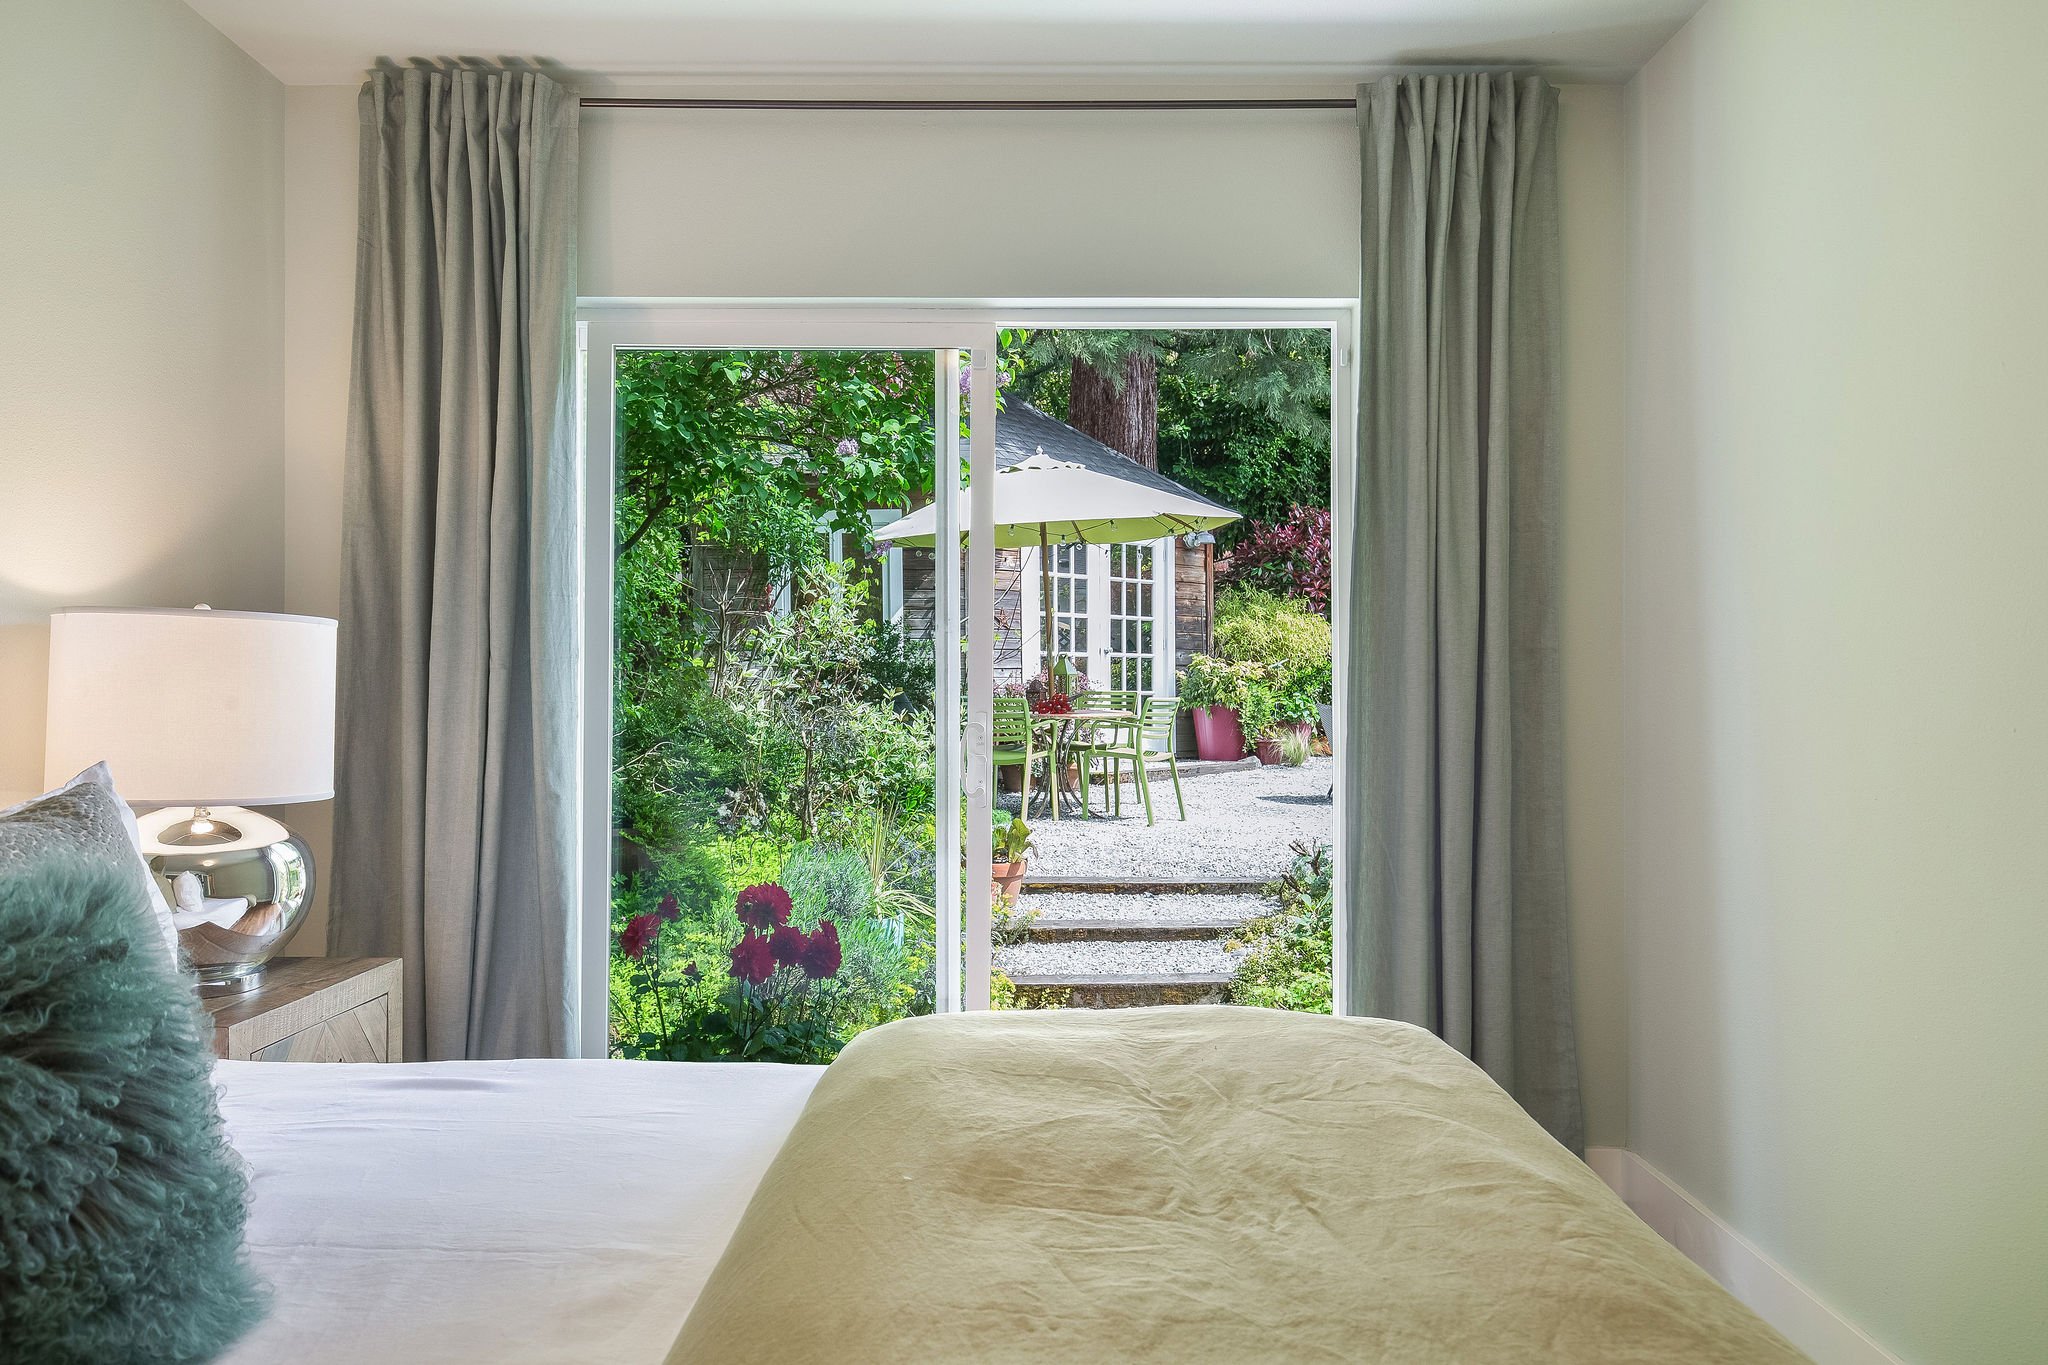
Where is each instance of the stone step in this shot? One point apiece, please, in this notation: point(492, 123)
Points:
point(1066, 917)
point(1083, 929)
point(1106, 974)
point(1119, 990)
point(1115, 885)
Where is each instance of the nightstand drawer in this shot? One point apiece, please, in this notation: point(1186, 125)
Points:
point(355, 1036)
point(315, 1009)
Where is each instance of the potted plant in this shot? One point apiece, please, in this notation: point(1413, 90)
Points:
point(1216, 694)
point(1009, 849)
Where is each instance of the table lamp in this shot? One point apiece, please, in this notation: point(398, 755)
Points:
point(201, 714)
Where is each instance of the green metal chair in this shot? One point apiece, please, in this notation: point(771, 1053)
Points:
point(1116, 744)
point(1014, 744)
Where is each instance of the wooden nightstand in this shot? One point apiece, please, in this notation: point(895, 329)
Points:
point(314, 1009)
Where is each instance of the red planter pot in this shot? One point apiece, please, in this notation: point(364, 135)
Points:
point(1218, 737)
point(1268, 749)
point(1006, 878)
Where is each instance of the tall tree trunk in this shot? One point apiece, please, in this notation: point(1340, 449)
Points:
point(1126, 419)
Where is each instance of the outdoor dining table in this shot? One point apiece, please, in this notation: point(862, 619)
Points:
point(1060, 726)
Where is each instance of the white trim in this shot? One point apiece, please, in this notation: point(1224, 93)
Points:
point(1343, 464)
point(896, 324)
point(1165, 617)
point(979, 782)
point(1741, 1267)
point(946, 675)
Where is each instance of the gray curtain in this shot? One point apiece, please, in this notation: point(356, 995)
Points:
point(1460, 920)
point(455, 819)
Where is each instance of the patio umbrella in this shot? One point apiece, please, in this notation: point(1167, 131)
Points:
point(1045, 502)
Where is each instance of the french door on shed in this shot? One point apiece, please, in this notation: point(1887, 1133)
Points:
point(1112, 614)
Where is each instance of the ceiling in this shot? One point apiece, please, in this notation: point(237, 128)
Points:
point(694, 43)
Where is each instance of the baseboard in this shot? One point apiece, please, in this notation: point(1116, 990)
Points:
point(1729, 1257)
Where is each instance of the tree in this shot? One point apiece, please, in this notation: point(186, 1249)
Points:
point(1111, 384)
point(755, 449)
point(1240, 415)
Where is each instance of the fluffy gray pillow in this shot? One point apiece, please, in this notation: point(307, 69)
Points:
point(121, 1204)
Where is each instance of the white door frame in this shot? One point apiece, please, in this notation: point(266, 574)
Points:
point(606, 325)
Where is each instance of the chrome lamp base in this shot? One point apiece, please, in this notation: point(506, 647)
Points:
point(239, 884)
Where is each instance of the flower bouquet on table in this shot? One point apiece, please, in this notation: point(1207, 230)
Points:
point(1051, 693)
point(774, 1005)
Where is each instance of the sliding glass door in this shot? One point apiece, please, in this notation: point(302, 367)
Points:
point(834, 597)
point(788, 769)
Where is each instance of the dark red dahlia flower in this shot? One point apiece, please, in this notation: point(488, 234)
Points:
point(638, 935)
point(751, 959)
point(820, 956)
point(786, 945)
point(669, 912)
point(764, 906)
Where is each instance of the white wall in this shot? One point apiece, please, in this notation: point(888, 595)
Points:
point(142, 365)
point(1105, 205)
point(1836, 656)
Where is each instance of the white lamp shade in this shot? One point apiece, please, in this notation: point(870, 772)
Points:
point(194, 707)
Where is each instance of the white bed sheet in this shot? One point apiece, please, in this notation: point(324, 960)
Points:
point(504, 1212)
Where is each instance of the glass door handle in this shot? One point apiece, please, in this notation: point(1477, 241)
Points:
point(974, 758)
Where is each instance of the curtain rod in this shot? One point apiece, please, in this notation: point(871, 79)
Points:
point(629, 102)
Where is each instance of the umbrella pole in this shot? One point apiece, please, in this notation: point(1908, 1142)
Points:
point(1045, 593)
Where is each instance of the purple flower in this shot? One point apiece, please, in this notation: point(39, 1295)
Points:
point(786, 945)
point(751, 960)
point(820, 956)
point(763, 906)
point(639, 935)
point(849, 446)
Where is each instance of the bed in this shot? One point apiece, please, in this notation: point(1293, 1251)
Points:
point(447, 1213)
point(1194, 1184)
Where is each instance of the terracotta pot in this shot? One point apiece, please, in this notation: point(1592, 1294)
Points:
point(1268, 750)
point(1218, 736)
point(1007, 877)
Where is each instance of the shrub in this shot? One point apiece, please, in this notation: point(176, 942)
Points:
point(1288, 965)
point(1261, 627)
point(1209, 681)
point(1290, 556)
point(1293, 748)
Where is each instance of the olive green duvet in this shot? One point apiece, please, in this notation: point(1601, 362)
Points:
point(1198, 1184)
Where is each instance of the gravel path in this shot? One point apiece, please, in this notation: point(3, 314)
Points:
point(1087, 959)
point(1239, 824)
point(1170, 909)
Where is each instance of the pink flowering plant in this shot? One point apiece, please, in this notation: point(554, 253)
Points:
point(771, 995)
point(1290, 557)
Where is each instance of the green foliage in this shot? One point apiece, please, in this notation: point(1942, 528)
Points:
point(1257, 626)
point(1288, 965)
point(1209, 681)
point(749, 743)
point(1010, 837)
point(1294, 748)
point(680, 1002)
point(1244, 415)
point(1272, 662)
point(753, 449)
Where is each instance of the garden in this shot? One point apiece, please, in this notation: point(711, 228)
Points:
point(774, 786)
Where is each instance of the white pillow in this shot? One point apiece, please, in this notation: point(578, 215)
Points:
point(158, 906)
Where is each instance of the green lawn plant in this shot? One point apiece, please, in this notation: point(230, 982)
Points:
point(1287, 965)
